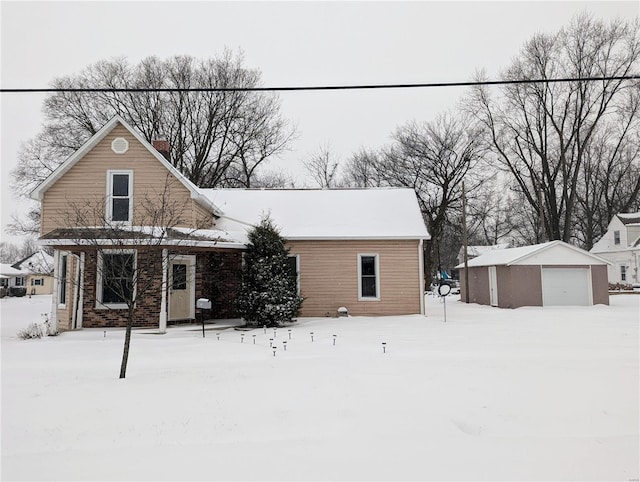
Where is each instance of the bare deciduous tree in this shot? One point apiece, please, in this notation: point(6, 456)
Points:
point(128, 260)
point(540, 132)
point(216, 138)
point(323, 168)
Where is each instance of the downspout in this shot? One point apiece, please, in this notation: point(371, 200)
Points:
point(162, 328)
point(421, 274)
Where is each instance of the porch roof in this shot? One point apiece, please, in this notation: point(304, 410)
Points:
point(143, 236)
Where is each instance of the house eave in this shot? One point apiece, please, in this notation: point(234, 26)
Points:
point(356, 238)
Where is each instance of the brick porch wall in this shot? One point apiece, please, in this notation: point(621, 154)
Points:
point(217, 278)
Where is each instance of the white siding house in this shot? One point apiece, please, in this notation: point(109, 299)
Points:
point(620, 245)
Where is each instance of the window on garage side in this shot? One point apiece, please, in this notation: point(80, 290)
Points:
point(368, 277)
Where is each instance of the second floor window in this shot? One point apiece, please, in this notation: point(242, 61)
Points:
point(119, 206)
point(616, 237)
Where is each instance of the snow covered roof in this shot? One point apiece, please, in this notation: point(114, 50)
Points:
point(385, 213)
point(567, 255)
point(9, 271)
point(629, 218)
point(39, 191)
point(479, 250)
point(141, 236)
point(39, 262)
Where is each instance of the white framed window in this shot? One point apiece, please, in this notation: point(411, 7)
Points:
point(37, 282)
point(120, 196)
point(623, 272)
point(368, 277)
point(116, 278)
point(616, 237)
point(19, 281)
point(293, 265)
point(62, 280)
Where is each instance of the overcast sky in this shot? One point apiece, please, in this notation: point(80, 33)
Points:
point(291, 43)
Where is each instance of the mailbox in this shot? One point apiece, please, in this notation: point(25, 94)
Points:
point(203, 304)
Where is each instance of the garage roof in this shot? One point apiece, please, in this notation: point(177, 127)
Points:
point(550, 253)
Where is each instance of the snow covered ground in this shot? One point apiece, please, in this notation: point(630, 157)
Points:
point(525, 394)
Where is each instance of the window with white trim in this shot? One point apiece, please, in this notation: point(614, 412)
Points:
point(37, 281)
point(19, 281)
point(119, 196)
point(62, 286)
point(368, 277)
point(293, 267)
point(616, 237)
point(116, 272)
point(623, 272)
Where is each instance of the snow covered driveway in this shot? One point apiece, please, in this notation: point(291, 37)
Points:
point(525, 394)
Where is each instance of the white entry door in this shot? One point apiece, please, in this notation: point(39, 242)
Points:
point(493, 286)
point(566, 287)
point(181, 288)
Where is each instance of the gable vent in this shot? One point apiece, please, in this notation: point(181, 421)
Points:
point(120, 145)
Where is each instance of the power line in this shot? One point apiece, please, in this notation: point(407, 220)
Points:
point(321, 87)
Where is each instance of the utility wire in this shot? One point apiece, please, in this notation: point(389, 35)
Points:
point(322, 87)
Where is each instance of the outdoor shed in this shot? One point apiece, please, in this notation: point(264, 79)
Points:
point(547, 274)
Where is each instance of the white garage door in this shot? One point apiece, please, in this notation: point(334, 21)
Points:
point(566, 286)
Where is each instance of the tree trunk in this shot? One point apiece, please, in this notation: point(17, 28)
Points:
point(127, 342)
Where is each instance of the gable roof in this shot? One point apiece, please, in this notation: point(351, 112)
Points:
point(629, 218)
point(39, 262)
point(305, 214)
point(39, 191)
point(510, 256)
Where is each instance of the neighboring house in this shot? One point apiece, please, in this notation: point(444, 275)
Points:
point(39, 269)
point(11, 277)
point(361, 249)
point(620, 245)
point(548, 274)
point(475, 251)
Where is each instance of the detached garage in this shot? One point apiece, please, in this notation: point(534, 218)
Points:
point(547, 274)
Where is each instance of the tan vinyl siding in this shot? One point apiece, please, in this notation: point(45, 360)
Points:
point(329, 276)
point(85, 184)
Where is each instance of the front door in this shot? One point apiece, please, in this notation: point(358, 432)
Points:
point(181, 289)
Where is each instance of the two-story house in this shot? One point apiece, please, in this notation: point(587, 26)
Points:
point(621, 246)
point(122, 220)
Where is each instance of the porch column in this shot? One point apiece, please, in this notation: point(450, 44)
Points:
point(54, 295)
point(80, 310)
point(163, 300)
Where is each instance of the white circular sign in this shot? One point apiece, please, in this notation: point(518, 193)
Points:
point(444, 289)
